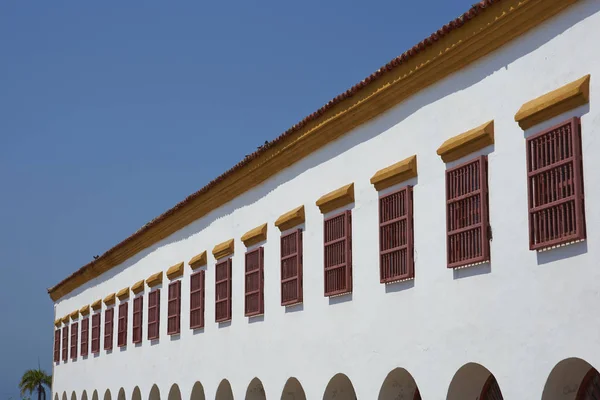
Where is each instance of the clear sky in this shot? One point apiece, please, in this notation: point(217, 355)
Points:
point(110, 111)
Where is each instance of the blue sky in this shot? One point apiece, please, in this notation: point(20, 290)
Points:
point(109, 112)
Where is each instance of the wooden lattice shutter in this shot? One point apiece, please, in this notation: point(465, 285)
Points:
point(197, 294)
point(57, 345)
point(338, 254)
point(154, 314)
point(491, 390)
point(109, 316)
point(85, 334)
point(589, 389)
point(74, 342)
point(467, 216)
point(65, 343)
point(223, 291)
point(96, 333)
point(254, 283)
point(138, 309)
point(122, 326)
point(174, 308)
point(555, 186)
point(396, 236)
point(291, 268)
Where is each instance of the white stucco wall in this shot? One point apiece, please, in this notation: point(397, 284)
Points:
point(518, 317)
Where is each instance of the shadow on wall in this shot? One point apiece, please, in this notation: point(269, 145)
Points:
point(455, 83)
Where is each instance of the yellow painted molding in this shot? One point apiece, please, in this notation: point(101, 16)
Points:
point(255, 235)
point(336, 199)
point(74, 315)
point(65, 319)
point(154, 279)
point(198, 261)
point(290, 219)
point(58, 322)
point(96, 305)
point(477, 37)
point(223, 249)
point(123, 294)
point(85, 310)
point(138, 287)
point(554, 103)
point(396, 173)
point(175, 271)
point(110, 299)
point(467, 143)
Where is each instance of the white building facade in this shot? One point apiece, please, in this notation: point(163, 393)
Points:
point(477, 279)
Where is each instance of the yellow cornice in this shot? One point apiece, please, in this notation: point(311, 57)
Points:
point(396, 173)
point(123, 294)
point(499, 24)
point(467, 143)
point(96, 305)
point(198, 261)
point(175, 271)
point(85, 310)
point(154, 279)
point(554, 103)
point(290, 219)
point(138, 287)
point(255, 235)
point(110, 299)
point(65, 319)
point(74, 315)
point(58, 322)
point(223, 249)
point(336, 199)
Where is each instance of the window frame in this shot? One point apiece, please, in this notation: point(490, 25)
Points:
point(174, 308)
point(109, 317)
point(74, 340)
point(122, 324)
point(299, 272)
point(137, 329)
point(200, 309)
point(96, 324)
point(347, 251)
point(259, 270)
point(85, 332)
point(227, 281)
point(154, 313)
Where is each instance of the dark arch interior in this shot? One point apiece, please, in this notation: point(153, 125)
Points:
point(571, 379)
point(224, 391)
point(197, 392)
point(121, 395)
point(399, 384)
point(154, 393)
point(137, 394)
point(174, 393)
point(107, 395)
point(293, 390)
point(255, 390)
point(474, 381)
point(339, 388)
point(590, 386)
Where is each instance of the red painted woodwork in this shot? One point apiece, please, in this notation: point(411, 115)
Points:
point(467, 216)
point(254, 283)
point(174, 308)
point(122, 325)
point(555, 186)
point(65, 343)
point(57, 345)
point(589, 389)
point(197, 293)
point(74, 341)
point(109, 316)
point(338, 254)
point(85, 334)
point(138, 312)
point(96, 333)
point(223, 291)
point(291, 268)
point(491, 390)
point(396, 236)
point(154, 314)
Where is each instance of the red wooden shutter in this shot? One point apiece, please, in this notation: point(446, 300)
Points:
point(254, 283)
point(109, 316)
point(74, 332)
point(291, 268)
point(122, 326)
point(174, 308)
point(197, 300)
point(555, 185)
point(223, 291)
point(57, 345)
point(85, 332)
point(96, 333)
point(467, 217)
point(154, 314)
point(338, 254)
point(138, 307)
point(396, 236)
point(491, 390)
point(65, 343)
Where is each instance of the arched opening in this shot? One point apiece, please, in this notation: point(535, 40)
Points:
point(174, 393)
point(84, 395)
point(197, 392)
point(137, 394)
point(107, 395)
point(64, 396)
point(474, 381)
point(399, 384)
point(293, 390)
point(339, 388)
point(154, 393)
point(255, 390)
point(95, 395)
point(55, 396)
point(73, 396)
point(224, 391)
point(121, 395)
point(572, 379)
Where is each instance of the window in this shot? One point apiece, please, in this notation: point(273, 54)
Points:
point(197, 300)
point(122, 326)
point(85, 332)
point(65, 343)
point(154, 314)
point(467, 217)
point(109, 316)
point(338, 254)
point(74, 332)
point(96, 333)
point(396, 236)
point(138, 309)
point(223, 291)
point(555, 185)
point(254, 283)
point(291, 268)
point(57, 345)
point(174, 308)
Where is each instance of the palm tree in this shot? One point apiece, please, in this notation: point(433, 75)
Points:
point(34, 380)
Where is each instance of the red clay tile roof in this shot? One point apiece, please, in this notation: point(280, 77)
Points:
point(475, 10)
